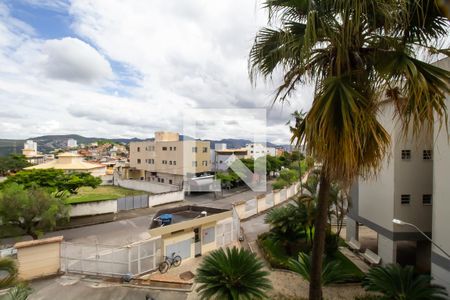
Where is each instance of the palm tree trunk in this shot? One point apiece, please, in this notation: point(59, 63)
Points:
point(315, 285)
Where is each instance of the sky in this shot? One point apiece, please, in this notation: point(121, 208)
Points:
point(123, 69)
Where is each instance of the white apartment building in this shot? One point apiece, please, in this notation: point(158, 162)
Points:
point(257, 150)
point(412, 186)
point(71, 143)
point(31, 153)
point(440, 263)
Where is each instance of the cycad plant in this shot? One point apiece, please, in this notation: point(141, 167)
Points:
point(9, 267)
point(331, 270)
point(397, 283)
point(232, 274)
point(360, 55)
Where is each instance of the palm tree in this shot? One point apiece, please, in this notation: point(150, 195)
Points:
point(397, 283)
point(8, 266)
point(360, 55)
point(232, 274)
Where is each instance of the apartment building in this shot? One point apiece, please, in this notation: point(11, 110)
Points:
point(167, 159)
point(256, 150)
point(440, 262)
point(412, 186)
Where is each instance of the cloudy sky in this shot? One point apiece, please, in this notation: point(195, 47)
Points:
point(128, 68)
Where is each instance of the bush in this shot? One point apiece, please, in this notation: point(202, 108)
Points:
point(331, 244)
point(279, 184)
point(290, 176)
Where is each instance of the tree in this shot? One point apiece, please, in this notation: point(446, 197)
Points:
point(360, 55)
point(12, 163)
point(397, 283)
point(232, 274)
point(34, 210)
point(54, 180)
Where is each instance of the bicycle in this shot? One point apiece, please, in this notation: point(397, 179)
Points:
point(174, 260)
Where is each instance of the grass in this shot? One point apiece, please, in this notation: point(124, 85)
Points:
point(101, 193)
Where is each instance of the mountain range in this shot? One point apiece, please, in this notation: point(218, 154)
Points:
point(48, 143)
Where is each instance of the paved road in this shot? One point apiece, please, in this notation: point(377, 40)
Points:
point(112, 233)
point(70, 287)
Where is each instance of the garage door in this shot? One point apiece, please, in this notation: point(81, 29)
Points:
point(182, 248)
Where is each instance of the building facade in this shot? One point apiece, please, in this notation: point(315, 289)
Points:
point(31, 154)
point(440, 262)
point(168, 160)
point(413, 187)
point(257, 150)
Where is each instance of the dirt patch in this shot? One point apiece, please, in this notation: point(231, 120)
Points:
point(187, 275)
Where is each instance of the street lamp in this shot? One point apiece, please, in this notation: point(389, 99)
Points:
point(400, 222)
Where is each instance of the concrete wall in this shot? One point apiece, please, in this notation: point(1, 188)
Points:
point(39, 258)
point(175, 238)
point(164, 198)
point(141, 185)
point(93, 208)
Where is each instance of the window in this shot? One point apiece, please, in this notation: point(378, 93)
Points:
point(138, 149)
point(159, 179)
point(170, 181)
point(406, 199)
point(205, 149)
point(164, 148)
point(174, 162)
point(194, 149)
point(162, 180)
point(406, 154)
point(138, 160)
point(174, 148)
point(205, 163)
point(170, 162)
point(427, 199)
point(427, 155)
point(170, 148)
point(194, 163)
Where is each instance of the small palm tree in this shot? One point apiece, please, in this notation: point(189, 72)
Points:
point(397, 283)
point(232, 274)
point(331, 270)
point(8, 266)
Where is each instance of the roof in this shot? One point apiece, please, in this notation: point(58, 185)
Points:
point(231, 150)
point(55, 239)
point(185, 213)
point(71, 164)
point(69, 154)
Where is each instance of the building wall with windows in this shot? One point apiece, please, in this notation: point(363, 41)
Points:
point(166, 159)
point(440, 263)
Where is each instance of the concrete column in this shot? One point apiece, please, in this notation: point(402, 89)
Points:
point(351, 229)
point(441, 276)
point(423, 256)
point(387, 250)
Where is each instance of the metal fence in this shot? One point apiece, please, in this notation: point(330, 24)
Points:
point(132, 202)
point(136, 258)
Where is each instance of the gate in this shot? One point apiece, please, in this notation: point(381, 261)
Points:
point(136, 258)
point(132, 202)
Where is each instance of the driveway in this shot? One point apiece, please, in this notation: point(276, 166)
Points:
point(71, 287)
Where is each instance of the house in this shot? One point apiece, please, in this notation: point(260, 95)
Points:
point(71, 162)
point(224, 157)
point(191, 231)
point(167, 159)
point(413, 187)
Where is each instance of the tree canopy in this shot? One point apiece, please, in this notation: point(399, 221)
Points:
point(12, 163)
point(34, 210)
point(54, 180)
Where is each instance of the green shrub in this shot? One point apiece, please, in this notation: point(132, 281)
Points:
point(279, 184)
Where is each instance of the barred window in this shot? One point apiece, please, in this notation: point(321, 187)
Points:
point(427, 155)
point(405, 199)
point(427, 199)
point(406, 154)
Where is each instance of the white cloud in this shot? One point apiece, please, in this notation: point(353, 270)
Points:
point(74, 60)
point(178, 54)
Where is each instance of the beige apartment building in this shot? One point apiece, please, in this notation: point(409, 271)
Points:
point(167, 159)
point(413, 186)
